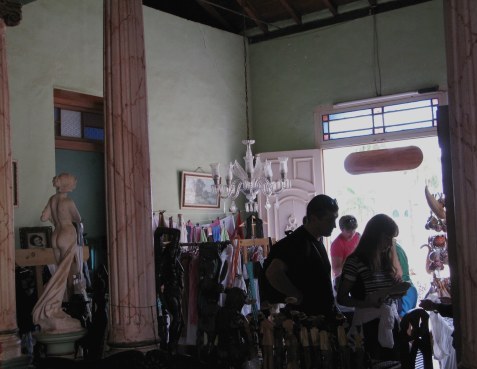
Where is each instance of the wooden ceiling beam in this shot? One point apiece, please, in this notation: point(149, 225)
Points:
point(252, 13)
point(215, 14)
point(331, 6)
point(291, 11)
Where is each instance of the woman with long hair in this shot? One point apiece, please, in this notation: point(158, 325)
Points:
point(371, 283)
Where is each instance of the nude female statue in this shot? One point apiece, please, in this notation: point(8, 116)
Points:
point(62, 212)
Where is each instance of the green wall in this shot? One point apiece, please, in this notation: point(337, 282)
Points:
point(196, 90)
point(293, 75)
point(196, 104)
point(195, 87)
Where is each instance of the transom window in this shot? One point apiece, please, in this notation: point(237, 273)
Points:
point(79, 122)
point(377, 119)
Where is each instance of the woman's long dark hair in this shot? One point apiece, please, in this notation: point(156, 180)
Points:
point(368, 249)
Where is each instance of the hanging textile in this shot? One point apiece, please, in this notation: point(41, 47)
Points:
point(203, 236)
point(254, 227)
point(224, 235)
point(252, 290)
point(238, 232)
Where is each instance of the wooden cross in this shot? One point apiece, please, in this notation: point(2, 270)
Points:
point(39, 257)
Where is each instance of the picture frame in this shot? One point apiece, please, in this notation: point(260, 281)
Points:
point(196, 191)
point(35, 237)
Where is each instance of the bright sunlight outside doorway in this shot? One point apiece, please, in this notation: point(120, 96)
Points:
point(398, 194)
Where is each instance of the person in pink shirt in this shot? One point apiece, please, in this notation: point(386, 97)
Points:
point(344, 244)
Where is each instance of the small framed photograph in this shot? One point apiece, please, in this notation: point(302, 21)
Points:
point(197, 192)
point(35, 237)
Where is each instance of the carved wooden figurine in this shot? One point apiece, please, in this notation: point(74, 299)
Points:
point(291, 343)
point(208, 296)
point(234, 346)
point(266, 331)
point(170, 281)
point(305, 342)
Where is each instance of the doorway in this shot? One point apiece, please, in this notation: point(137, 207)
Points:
point(398, 194)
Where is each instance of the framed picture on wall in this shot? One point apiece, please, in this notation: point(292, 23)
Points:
point(31, 237)
point(196, 191)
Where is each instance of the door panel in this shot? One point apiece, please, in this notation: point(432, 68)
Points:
point(305, 173)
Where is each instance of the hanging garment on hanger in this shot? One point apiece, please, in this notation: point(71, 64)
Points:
point(229, 224)
point(238, 231)
point(216, 232)
point(182, 227)
point(234, 266)
point(189, 227)
point(254, 227)
point(203, 236)
point(226, 257)
point(224, 235)
point(185, 260)
point(253, 290)
point(193, 314)
point(197, 233)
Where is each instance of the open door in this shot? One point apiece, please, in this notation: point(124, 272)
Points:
point(305, 168)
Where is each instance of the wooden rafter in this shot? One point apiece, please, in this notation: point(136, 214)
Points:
point(331, 6)
point(215, 14)
point(252, 13)
point(291, 11)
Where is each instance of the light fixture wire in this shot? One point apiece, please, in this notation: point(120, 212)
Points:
point(376, 54)
point(244, 39)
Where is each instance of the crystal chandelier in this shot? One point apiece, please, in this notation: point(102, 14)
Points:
point(255, 179)
point(257, 176)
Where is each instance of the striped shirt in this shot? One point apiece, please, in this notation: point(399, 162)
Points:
point(354, 269)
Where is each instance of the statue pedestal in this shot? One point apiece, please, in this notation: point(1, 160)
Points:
point(60, 344)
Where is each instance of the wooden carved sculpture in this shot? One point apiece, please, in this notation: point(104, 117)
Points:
point(305, 326)
point(266, 333)
point(278, 339)
point(169, 282)
point(291, 343)
point(235, 344)
point(326, 352)
point(210, 288)
point(315, 342)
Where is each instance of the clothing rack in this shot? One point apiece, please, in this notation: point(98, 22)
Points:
point(220, 244)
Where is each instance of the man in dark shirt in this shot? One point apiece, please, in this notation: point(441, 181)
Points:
point(299, 267)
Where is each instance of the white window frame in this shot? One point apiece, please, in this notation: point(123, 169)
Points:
point(381, 101)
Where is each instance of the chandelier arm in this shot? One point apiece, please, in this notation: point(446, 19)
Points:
point(237, 185)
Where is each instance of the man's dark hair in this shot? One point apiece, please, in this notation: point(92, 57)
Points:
point(321, 205)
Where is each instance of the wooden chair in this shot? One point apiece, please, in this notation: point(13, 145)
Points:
point(265, 243)
point(414, 335)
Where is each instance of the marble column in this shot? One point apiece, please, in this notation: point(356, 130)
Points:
point(10, 353)
point(133, 320)
point(461, 44)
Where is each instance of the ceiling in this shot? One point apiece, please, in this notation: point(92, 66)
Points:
point(267, 19)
